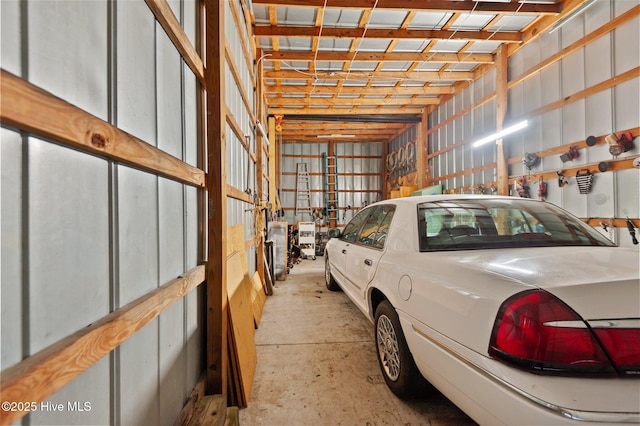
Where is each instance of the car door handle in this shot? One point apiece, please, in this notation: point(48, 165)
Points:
point(344, 251)
point(368, 262)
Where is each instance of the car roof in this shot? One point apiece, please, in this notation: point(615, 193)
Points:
point(413, 200)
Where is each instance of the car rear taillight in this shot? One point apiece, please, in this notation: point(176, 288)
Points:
point(623, 346)
point(536, 331)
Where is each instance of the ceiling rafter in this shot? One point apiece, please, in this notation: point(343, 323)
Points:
point(424, 5)
point(386, 33)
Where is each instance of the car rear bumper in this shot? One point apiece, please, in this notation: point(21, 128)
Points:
point(490, 399)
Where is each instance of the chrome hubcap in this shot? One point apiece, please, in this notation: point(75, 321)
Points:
point(388, 348)
point(327, 272)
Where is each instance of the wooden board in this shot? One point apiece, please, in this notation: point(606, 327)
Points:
point(258, 297)
point(236, 243)
point(242, 325)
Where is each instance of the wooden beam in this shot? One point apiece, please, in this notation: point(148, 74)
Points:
point(217, 300)
point(330, 102)
point(359, 90)
point(41, 375)
point(501, 113)
point(433, 5)
point(27, 108)
point(478, 58)
point(413, 111)
point(386, 75)
point(168, 21)
point(383, 33)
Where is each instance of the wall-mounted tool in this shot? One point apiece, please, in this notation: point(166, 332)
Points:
point(632, 231)
point(618, 145)
point(584, 179)
point(522, 188)
point(542, 189)
point(570, 155)
point(530, 160)
point(562, 181)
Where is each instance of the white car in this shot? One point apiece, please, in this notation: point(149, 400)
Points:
point(514, 309)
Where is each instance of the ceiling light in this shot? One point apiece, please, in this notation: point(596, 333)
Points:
point(336, 136)
point(571, 15)
point(501, 133)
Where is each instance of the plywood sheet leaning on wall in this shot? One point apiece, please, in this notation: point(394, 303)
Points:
point(236, 243)
point(241, 328)
point(258, 297)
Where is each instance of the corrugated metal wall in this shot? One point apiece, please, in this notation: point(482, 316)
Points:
point(241, 169)
point(614, 194)
point(83, 236)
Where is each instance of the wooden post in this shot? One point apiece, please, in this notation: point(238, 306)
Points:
point(217, 303)
point(501, 113)
point(259, 164)
point(422, 151)
point(272, 165)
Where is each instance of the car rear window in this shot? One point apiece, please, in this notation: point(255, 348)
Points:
point(499, 223)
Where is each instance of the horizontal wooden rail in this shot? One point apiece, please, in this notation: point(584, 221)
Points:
point(611, 222)
point(28, 108)
point(167, 19)
point(41, 375)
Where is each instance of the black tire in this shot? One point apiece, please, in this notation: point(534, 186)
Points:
point(328, 278)
point(396, 362)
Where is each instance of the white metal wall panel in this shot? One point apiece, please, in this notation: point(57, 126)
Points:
point(68, 242)
point(135, 62)
point(172, 363)
point(191, 135)
point(11, 280)
point(83, 389)
point(138, 382)
point(137, 234)
point(67, 51)
point(10, 41)
point(169, 95)
point(626, 105)
point(627, 200)
point(171, 229)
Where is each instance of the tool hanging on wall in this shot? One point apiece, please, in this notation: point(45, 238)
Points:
point(562, 181)
point(522, 188)
point(542, 189)
point(530, 160)
point(618, 145)
point(584, 179)
point(632, 231)
point(570, 155)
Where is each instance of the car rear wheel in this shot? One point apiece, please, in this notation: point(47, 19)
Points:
point(328, 278)
point(397, 365)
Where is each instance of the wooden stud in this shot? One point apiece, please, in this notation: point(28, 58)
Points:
point(501, 113)
point(217, 300)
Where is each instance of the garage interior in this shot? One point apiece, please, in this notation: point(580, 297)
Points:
point(156, 156)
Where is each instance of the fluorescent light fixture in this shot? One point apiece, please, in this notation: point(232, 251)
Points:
point(336, 136)
point(262, 131)
point(501, 133)
point(570, 16)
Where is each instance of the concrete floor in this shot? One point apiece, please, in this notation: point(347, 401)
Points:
point(317, 364)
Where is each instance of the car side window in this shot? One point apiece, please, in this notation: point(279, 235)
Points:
point(375, 229)
point(351, 230)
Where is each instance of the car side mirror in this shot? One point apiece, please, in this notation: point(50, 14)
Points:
point(334, 233)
